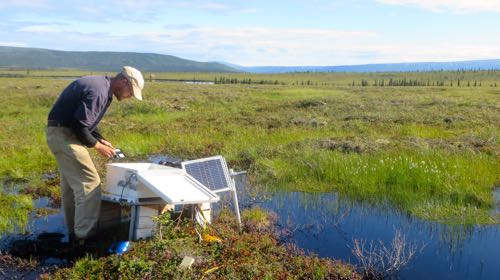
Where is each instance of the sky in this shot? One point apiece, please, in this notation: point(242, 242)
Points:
point(262, 33)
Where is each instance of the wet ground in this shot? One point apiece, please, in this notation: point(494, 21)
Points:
point(25, 256)
point(322, 224)
point(45, 245)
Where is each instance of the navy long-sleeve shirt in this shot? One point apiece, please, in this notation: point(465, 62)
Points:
point(82, 105)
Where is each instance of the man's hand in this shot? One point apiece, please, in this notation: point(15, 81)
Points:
point(105, 150)
point(106, 143)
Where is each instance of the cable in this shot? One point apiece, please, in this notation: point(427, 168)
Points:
point(124, 186)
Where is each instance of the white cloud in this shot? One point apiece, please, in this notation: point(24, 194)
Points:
point(262, 46)
point(12, 44)
point(250, 11)
point(23, 3)
point(250, 46)
point(179, 26)
point(454, 6)
point(213, 6)
point(207, 5)
point(258, 46)
point(266, 46)
point(40, 29)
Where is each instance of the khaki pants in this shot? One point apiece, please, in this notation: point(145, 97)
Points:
point(80, 182)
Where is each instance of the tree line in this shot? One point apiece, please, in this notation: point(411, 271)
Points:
point(418, 83)
point(224, 80)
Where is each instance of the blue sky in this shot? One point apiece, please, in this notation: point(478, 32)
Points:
point(252, 33)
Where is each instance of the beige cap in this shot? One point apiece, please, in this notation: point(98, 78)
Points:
point(135, 78)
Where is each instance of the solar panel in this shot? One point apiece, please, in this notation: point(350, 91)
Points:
point(211, 172)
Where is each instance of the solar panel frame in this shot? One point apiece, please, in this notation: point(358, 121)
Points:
point(199, 169)
point(212, 172)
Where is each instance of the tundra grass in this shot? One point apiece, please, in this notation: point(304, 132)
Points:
point(306, 138)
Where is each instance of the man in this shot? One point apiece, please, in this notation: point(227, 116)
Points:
point(71, 129)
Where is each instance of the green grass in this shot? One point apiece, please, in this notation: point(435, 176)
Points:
point(293, 137)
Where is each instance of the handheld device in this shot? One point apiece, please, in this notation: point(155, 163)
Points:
point(119, 154)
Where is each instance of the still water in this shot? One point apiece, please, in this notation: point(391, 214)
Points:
point(327, 225)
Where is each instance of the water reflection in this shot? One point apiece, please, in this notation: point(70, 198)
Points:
point(327, 225)
point(49, 220)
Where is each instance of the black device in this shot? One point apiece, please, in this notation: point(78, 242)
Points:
point(119, 154)
point(166, 160)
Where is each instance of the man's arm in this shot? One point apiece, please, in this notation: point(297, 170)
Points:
point(83, 117)
point(85, 136)
point(102, 146)
point(97, 134)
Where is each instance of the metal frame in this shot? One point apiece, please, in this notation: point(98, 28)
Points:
point(228, 175)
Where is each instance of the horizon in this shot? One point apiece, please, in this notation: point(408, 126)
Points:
point(288, 66)
point(260, 34)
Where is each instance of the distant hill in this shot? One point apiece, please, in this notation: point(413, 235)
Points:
point(389, 67)
point(32, 58)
